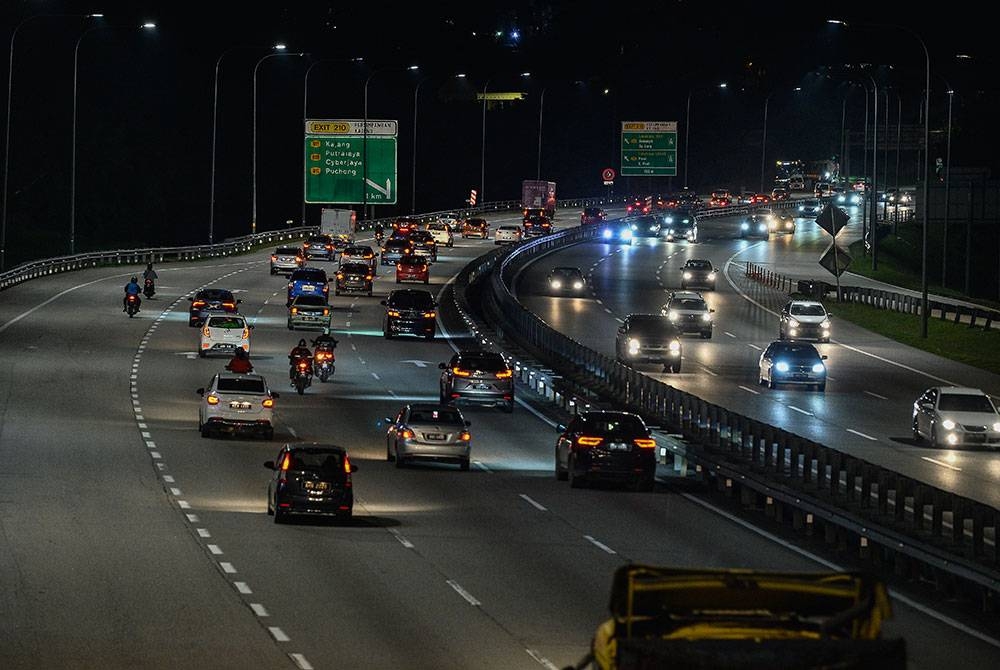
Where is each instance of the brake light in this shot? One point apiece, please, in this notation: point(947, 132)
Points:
point(430, 315)
point(229, 304)
point(589, 441)
point(406, 434)
point(393, 312)
point(323, 355)
point(465, 436)
point(206, 331)
point(459, 372)
point(212, 400)
point(295, 310)
point(645, 443)
point(303, 365)
point(246, 333)
point(347, 465)
point(326, 312)
point(505, 374)
point(268, 402)
point(286, 462)
point(198, 303)
point(274, 258)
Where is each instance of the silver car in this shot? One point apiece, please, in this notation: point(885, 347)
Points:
point(428, 432)
point(235, 402)
point(507, 234)
point(309, 311)
point(286, 260)
point(952, 416)
point(480, 377)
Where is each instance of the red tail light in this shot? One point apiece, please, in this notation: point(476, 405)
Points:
point(505, 374)
point(230, 305)
point(329, 247)
point(588, 441)
point(645, 443)
point(347, 465)
point(198, 303)
point(465, 436)
point(303, 365)
point(399, 266)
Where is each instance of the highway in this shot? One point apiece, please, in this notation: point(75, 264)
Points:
point(127, 540)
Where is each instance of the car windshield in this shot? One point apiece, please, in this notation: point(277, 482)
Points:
point(699, 265)
point(689, 304)
point(226, 322)
point(359, 268)
point(651, 325)
point(309, 275)
point(310, 301)
point(215, 294)
point(796, 352)
point(413, 260)
point(414, 299)
point(287, 251)
point(487, 362)
point(435, 415)
point(807, 310)
point(965, 402)
point(326, 462)
point(240, 385)
point(613, 425)
point(321, 239)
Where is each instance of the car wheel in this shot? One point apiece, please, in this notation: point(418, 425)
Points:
point(933, 435)
point(427, 281)
point(400, 462)
point(706, 335)
point(389, 456)
point(279, 516)
point(429, 336)
point(575, 481)
point(561, 474)
point(386, 334)
point(273, 272)
point(771, 383)
point(336, 292)
point(201, 354)
point(645, 482)
point(821, 387)
point(675, 367)
point(463, 465)
point(290, 327)
point(683, 285)
point(917, 437)
point(269, 434)
point(398, 280)
point(205, 430)
point(509, 407)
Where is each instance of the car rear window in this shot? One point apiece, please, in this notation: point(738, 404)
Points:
point(327, 463)
point(415, 299)
point(359, 268)
point(615, 425)
point(322, 239)
point(310, 300)
point(435, 415)
point(227, 322)
point(965, 402)
point(287, 251)
point(309, 275)
point(592, 211)
point(215, 294)
point(487, 362)
point(413, 260)
point(476, 222)
point(240, 385)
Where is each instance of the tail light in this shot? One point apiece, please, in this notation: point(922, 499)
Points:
point(286, 462)
point(459, 372)
point(406, 434)
point(347, 465)
point(645, 443)
point(393, 312)
point(133, 298)
point(246, 333)
point(212, 400)
point(324, 355)
point(295, 310)
point(368, 277)
point(588, 441)
point(303, 365)
point(268, 402)
point(198, 303)
point(326, 311)
point(206, 331)
point(430, 315)
point(465, 436)
point(505, 374)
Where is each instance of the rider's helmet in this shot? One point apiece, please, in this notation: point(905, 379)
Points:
point(302, 342)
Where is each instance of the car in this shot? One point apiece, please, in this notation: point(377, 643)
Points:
point(441, 233)
point(341, 240)
point(476, 228)
point(796, 184)
point(755, 226)
point(319, 246)
point(425, 431)
point(781, 222)
point(424, 245)
point(237, 403)
point(405, 224)
point(614, 446)
point(537, 225)
point(210, 300)
point(507, 235)
point(452, 220)
point(954, 416)
point(681, 224)
point(779, 194)
point(760, 199)
point(720, 198)
point(311, 479)
point(412, 268)
point(639, 206)
point(358, 253)
point(592, 215)
point(810, 207)
point(479, 377)
point(409, 312)
point(224, 333)
point(309, 312)
point(698, 272)
point(804, 320)
point(823, 190)
point(645, 226)
point(746, 198)
point(354, 277)
point(649, 338)
point(617, 231)
point(307, 281)
point(689, 313)
point(567, 280)
point(796, 363)
point(849, 198)
point(286, 260)
point(394, 249)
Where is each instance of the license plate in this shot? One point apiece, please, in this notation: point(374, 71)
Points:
point(618, 446)
point(239, 405)
point(315, 486)
point(435, 436)
point(308, 287)
point(482, 387)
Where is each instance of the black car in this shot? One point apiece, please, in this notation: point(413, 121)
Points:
point(756, 226)
point(612, 446)
point(409, 312)
point(566, 279)
point(319, 246)
point(592, 215)
point(394, 249)
point(313, 479)
point(649, 338)
point(536, 225)
point(479, 377)
point(645, 226)
point(698, 272)
point(210, 299)
point(680, 224)
point(355, 278)
point(795, 363)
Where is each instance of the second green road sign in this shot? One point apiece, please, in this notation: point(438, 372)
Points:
point(649, 149)
point(335, 166)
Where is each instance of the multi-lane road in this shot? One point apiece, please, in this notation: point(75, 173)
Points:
point(127, 540)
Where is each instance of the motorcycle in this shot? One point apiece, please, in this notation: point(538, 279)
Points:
point(303, 376)
point(132, 304)
point(149, 289)
point(379, 237)
point(324, 364)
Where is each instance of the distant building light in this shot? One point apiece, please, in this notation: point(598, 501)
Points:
point(515, 35)
point(280, 46)
point(149, 24)
point(460, 75)
point(963, 56)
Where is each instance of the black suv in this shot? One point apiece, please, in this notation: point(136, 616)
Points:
point(606, 445)
point(354, 277)
point(409, 312)
point(649, 338)
point(210, 299)
point(312, 479)
point(698, 272)
point(481, 377)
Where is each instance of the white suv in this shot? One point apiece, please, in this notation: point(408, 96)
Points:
point(441, 233)
point(689, 313)
point(237, 403)
point(224, 333)
point(505, 234)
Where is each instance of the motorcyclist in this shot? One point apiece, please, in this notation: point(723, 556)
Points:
point(325, 341)
point(379, 233)
point(149, 278)
point(240, 363)
point(132, 288)
point(149, 272)
point(300, 352)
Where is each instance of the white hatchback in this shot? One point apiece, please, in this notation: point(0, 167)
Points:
point(441, 233)
point(507, 234)
point(237, 403)
point(224, 333)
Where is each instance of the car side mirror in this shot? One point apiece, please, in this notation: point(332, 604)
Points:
point(354, 468)
point(823, 357)
point(269, 465)
point(200, 391)
point(442, 366)
point(275, 394)
point(468, 423)
point(190, 298)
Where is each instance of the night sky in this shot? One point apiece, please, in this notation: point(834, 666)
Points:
point(145, 101)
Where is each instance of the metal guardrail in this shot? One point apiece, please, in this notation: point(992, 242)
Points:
point(237, 245)
point(918, 530)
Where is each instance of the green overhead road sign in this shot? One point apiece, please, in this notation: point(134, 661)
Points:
point(335, 171)
point(649, 149)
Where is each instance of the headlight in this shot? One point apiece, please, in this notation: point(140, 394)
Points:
point(578, 284)
point(556, 283)
point(687, 275)
point(793, 323)
point(762, 227)
point(948, 424)
point(744, 226)
point(825, 325)
point(634, 227)
point(606, 234)
point(706, 316)
point(672, 315)
point(626, 234)
point(653, 228)
point(802, 208)
point(781, 366)
point(711, 276)
point(633, 346)
point(675, 345)
point(818, 368)
point(669, 219)
point(996, 427)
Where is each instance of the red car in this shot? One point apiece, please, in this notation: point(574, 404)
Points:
point(412, 268)
point(720, 198)
point(639, 206)
point(761, 199)
point(405, 225)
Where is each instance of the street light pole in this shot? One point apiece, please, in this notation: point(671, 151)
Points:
point(413, 168)
point(763, 143)
point(364, 141)
point(947, 187)
point(541, 105)
point(482, 166)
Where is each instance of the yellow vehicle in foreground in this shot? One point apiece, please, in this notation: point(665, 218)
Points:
point(741, 619)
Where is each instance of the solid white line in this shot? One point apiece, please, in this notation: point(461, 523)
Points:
point(140, 417)
point(301, 661)
point(942, 463)
point(279, 635)
point(402, 540)
point(802, 411)
point(867, 437)
point(215, 550)
point(242, 587)
point(462, 592)
point(146, 435)
point(375, 375)
point(599, 545)
point(545, 663)
point(203, 532)
point(534, 504)
point(150, 444)
point(258, 609)
point(754, 346)
point(749, 390)
point(709, 371)
point(482, 466)
point(292, 432)
point(155, 455)
point(142, 425)
point(874, 395)
point(227, 568)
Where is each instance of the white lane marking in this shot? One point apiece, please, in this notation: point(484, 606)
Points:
point(402, 540)
point(375, 375)
point(192, 518)
point(354, 347)
point(142, 425)
point(754, 346)
point(749, 390)
point(243, 588)
point(184, 504)
point(607, 310)
point(599, 545)
point(923, 609)
point(203, 532)
point(599, 302)
point(278, 634)
point(215, 550)
point(874, 395)
point(462, 592)
point(942, 463)
point(544, 662)
point(227, 567)
point(867, 437)
point(527, 499)
point(259, 610)
point(347, 324)
point(140, 417)
point(146, 435)
point(714, 374)
point(291, 431)
point(800, 410)
point(168, 479)
point(301, 661)
point(150, 444)
point(482, 466)
point(175, 492)
point(155, 455)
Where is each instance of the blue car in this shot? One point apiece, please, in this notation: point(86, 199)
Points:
point(307, 281)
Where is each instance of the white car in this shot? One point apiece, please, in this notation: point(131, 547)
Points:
point(804, 320)
point(237, 403)
point(689, 313)
point(224, 333)
point(953, 416)
point(507, 234)
point(452, 220)
point(441, 233)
